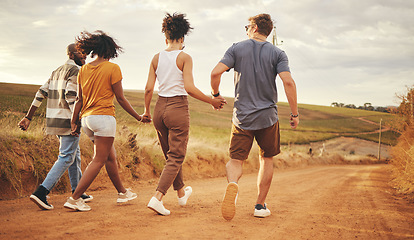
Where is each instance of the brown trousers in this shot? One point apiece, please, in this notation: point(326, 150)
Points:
point(172, 122)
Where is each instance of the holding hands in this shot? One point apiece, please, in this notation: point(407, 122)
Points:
point(76, 128)
point(146, 117)
point(218, 102)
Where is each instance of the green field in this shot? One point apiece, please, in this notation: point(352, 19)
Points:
point(33, 153)
point(317, 123)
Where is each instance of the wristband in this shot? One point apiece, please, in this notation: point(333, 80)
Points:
point(294, 116)
point(28, 118)
point(215, 95)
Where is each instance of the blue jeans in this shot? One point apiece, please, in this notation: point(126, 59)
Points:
point(69, 158)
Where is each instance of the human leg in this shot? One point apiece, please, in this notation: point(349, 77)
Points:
point(67, 155)
point(171, 119)
point(75, 174)
point(264, 178)
point(162, 132)
point(66, 158)
point(177, 122)
point(240, 144)
point(74, 171)
point(102, 148)
point(268, 140)
point(172, 174)
point(234, 170)
point(183, 193)
point(178, 183)
point(111, 166)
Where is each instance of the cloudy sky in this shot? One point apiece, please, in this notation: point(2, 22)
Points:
point(353, 51)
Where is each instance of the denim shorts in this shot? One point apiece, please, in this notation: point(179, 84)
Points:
point(99, 125)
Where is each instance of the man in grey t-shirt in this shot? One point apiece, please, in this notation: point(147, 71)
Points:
point(256, 64)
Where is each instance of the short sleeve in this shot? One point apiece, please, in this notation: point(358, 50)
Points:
point(282, 63)
point(79, 76)
point(229, 58)
point(116, 74)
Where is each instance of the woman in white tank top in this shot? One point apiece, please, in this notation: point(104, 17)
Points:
point(173, 69)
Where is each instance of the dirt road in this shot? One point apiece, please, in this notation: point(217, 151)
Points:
point(327, 202)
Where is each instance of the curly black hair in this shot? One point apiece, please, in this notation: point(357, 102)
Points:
point(97, 43)
point(175, 26)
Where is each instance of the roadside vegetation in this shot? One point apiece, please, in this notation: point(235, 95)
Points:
point(26, 157)
point(403, 151)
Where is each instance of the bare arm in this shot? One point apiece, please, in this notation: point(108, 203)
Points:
point(192, 90)
point(149, 89)
point(25, 122)
point(41, 94)
point(119, 94)
point(75, 123)
point(290, 91)
point(216, 73)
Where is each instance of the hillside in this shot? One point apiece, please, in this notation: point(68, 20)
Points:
point(26, 157)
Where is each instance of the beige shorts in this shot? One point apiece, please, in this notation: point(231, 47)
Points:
point(241, 141)
point(99, 125)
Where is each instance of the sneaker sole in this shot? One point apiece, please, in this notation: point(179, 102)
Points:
point(69, 206)
point(153, 209)
point(73, 207)
point(39, 203)
point(125, 200)
point(228, 207)
point(261, 216)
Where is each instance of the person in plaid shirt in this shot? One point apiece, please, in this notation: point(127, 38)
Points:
point(61, 91)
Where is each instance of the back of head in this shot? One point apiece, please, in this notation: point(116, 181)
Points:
point(71, 48)
point(264, 23)
point(175, 26)
point(97, 43)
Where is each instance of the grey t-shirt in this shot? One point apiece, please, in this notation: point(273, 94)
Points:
point(256, 65)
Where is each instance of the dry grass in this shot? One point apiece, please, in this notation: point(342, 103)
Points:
point(403, 162)
point(26, 157)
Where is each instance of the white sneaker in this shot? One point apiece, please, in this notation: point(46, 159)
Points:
point(228, 206)
point(182, 201)
point(261, 211)
point(158, 207)
point(125, 197)
point(78, 205)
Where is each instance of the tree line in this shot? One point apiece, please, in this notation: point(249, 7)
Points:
point(366, 106)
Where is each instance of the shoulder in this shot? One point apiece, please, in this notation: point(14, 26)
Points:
point(111, 65)
point(71, 70)
point(155, 58)
point(243, 43)
point(154, 61)
point(240, 46)
point(184, 56)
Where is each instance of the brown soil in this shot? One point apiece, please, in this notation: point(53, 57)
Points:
point(321, 202)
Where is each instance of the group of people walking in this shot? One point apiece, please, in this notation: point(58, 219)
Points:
point(83, 98)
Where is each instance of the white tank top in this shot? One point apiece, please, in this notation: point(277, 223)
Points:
point(169, 76)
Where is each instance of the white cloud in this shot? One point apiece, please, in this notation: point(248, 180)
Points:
point(339, 51)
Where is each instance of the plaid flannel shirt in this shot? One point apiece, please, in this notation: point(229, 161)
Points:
point(61, 91)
